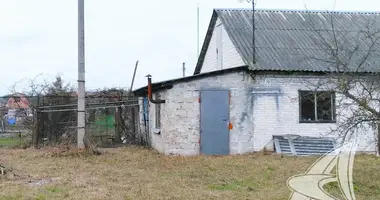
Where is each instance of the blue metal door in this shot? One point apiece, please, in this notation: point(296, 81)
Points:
point(214, 129)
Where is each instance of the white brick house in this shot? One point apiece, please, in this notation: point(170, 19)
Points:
point(264, 98)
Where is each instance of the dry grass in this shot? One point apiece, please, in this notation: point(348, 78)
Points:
point(137, 173)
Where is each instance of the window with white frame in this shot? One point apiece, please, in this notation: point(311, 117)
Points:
point(317, 106)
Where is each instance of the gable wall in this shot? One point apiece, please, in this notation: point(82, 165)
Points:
point(228, 56)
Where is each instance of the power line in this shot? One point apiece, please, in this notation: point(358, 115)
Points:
point(88, 108)
point(69, 105)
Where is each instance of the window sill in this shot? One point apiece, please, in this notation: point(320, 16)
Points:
point(317, 122)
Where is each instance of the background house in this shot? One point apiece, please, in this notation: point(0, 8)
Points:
point(17, 101)
point(2, 113)
point(233, 105)
point(17, 107)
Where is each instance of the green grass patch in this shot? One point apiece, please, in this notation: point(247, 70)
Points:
point(234, 185)
point(55, 189)
point(4, 142)
point(40, 197)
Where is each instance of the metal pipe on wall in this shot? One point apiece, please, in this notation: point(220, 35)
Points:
point(155, 101)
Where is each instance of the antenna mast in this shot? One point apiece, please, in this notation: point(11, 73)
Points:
point(197, 30)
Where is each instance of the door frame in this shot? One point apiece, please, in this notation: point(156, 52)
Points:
point(200, 117)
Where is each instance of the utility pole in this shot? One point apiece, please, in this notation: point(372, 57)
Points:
point(134, 74)
point(183, 69)
point(81, 128)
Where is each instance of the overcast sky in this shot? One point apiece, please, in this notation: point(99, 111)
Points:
point(40, 36)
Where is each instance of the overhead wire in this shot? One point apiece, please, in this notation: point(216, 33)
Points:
point(88, 108)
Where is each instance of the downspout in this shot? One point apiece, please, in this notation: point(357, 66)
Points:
point(155, 101)
point(145, 112)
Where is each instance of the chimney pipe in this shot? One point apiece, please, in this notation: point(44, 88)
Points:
point(183, 70)
point(155, 101)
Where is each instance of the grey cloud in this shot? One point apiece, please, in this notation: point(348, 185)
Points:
point(41, 36)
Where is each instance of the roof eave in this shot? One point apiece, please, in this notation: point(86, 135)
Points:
point(169, 83)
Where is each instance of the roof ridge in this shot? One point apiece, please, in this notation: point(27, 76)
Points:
point(298, 11)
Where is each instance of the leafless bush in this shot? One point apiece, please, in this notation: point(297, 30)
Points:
point(42, 94)
point(54, 118)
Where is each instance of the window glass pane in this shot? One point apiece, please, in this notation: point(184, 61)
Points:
point(324, 111)
point(307, 106)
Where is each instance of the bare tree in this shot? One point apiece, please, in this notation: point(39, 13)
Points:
point(49, 93)
point(33, 89)
point(349, 56)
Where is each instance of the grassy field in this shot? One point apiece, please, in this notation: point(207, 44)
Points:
point(136, 173)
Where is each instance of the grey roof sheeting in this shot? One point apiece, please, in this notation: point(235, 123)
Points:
point(288, 40)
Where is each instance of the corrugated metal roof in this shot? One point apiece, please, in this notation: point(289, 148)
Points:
point(295, 40)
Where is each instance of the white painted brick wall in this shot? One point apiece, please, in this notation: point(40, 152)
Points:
point(288, 113)
point(231, 57)
point(255, 120)
point(180, 115)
